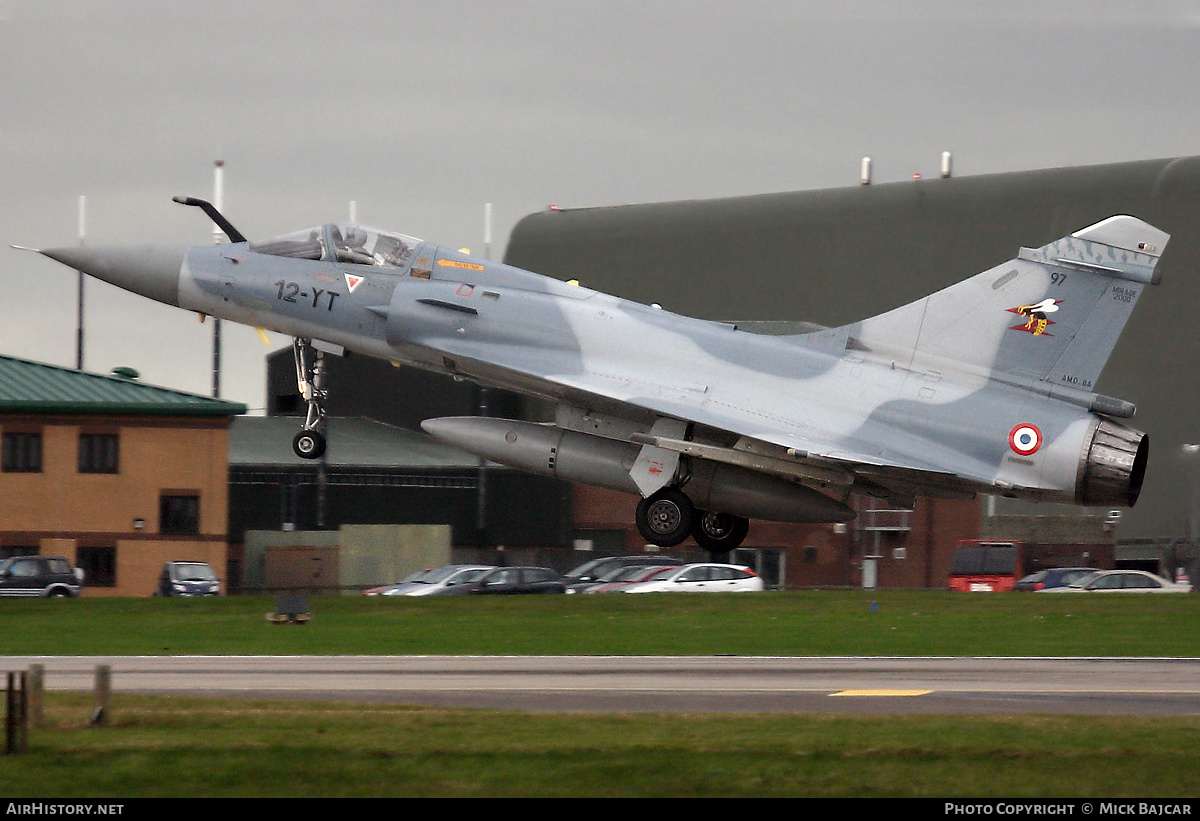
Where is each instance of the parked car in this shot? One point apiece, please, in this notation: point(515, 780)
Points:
point(622, 577)
point(592, 571)
point(1053, 577)
point(1122, 581)
point(188, 579)
point(516, 580)
point(701, 578)
point(614, 572)
point(407, 580)
point(48, 577)
point(440, 581)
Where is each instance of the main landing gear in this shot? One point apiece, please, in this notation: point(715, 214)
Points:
point(719, 532)
point(309, 443)
point(668, 517)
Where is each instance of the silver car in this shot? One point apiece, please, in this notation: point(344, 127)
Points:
point(1121, 581)
point(705, 577)
point(440, 581)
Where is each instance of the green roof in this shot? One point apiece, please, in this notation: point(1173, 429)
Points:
point(34, 387)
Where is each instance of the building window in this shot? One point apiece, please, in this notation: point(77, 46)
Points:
point(99, 565)
point(98, 453)
point(22, 453)
point(179, 515)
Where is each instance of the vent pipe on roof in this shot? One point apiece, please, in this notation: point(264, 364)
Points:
point(865, 173)
point(487, 230)
point(946, 165)
point(124, 372)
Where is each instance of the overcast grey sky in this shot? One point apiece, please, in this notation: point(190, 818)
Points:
point(424, 111)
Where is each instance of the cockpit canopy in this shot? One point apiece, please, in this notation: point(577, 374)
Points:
point(343, 242)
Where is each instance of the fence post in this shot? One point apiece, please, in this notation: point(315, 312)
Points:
point(36, 697)
point(15, 715)
point(103, 691)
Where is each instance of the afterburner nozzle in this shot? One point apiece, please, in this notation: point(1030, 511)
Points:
point(149, 270)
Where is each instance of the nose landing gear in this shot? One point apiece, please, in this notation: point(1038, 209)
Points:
point(309, 443)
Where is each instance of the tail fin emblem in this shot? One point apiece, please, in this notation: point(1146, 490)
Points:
point(1037, 316)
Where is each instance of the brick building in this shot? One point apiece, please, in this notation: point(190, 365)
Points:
point(117, 476)
point(881, 548)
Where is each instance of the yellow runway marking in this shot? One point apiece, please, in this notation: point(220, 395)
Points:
point(882, 693)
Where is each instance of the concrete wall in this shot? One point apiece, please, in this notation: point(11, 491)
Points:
point(366, 555)
point(380, 554)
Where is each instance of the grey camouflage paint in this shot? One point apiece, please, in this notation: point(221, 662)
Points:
point(983, 387)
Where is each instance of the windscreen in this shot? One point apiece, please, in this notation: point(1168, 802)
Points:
point(984, 559)
point(192, 572)
point(344, 242)
point(363, 245)
point(306, 244)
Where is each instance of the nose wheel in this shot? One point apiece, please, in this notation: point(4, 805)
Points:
point(309, 443)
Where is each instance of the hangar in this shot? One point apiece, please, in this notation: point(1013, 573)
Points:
point(835, 256)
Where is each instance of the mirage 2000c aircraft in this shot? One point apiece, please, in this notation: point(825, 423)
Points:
point(984, 387)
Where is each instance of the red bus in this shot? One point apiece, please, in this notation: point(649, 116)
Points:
point(982, 566)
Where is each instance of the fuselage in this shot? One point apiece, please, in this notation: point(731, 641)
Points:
point(508, 327)
point(888, 420)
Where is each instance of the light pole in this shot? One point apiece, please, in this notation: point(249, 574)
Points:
point(481, 539)
point(218, 238)
point(79, 303)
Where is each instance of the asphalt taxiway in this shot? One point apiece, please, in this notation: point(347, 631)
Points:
point(1080, 686)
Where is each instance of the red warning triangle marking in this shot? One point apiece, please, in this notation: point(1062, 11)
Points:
point(353, 281)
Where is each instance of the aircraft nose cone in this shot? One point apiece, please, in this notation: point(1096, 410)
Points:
point(149, 270)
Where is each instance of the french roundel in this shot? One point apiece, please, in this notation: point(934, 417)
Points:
point(1025, 439)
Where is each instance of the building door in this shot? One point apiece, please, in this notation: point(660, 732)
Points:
point(869, 572)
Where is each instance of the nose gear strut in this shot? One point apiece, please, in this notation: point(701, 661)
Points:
point(309, 443)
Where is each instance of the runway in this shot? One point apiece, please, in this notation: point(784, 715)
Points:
point(1087, 686)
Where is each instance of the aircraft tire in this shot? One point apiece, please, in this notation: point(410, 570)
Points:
point(309, 444)
point(665, 518)
point(719, 532)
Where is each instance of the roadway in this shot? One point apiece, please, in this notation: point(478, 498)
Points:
point(1087, 686)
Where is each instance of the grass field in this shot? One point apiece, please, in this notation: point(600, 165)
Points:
point(177, 747)
point(789, 624)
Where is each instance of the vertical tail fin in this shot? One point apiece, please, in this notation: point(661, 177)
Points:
point(1052, 314)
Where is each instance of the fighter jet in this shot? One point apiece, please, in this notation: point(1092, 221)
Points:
point(985, 387)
